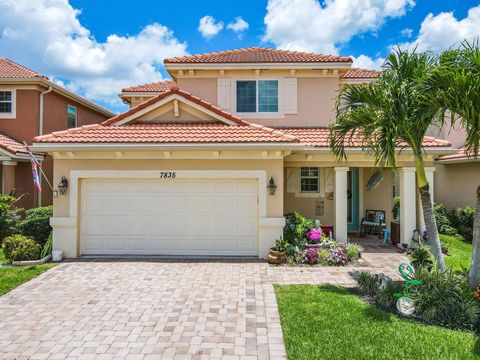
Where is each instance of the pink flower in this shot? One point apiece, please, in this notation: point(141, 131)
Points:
point(314, 235)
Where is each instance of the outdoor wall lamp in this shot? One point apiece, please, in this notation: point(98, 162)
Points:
point(272, 186)
point(63, 185)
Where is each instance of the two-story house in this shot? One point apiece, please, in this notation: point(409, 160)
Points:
point(31, 105)
point(211, 161)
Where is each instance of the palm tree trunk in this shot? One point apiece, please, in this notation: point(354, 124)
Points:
point(474, 277)
point(428, 217)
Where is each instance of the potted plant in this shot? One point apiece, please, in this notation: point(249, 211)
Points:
point(277, 254)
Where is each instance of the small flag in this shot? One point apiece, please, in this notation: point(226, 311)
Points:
point(36, 166)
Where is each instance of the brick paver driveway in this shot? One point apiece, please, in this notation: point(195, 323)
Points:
point(154, 310)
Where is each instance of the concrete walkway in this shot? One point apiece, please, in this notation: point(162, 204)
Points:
point(158, 309)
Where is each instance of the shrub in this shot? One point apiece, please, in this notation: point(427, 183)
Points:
point(353, 251)
point(297, 227)
point(462, 220)
point(443, 298)
point(47, 248)
point(294, 254)
point(367, 282)
point(323, 256)
point(8, 216)
point(443, 220)
point(36, 224)
point(384, 296)
point(422, 258)
point(310, 256)
point(20, 248)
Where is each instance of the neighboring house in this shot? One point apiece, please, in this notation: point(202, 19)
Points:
point(31, 105)
point(209, 163)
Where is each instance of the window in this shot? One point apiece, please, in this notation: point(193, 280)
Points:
point(309, 179)
point(6, 102)
point(71, 116)
point(257, 96)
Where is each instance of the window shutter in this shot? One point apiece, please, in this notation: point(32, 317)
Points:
point(224, 93)
point(290, 91)
point(293, 180)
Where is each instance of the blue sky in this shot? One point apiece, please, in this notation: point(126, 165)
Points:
point(97, 47)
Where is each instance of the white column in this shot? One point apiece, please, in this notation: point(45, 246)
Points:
point(341, 204)
point(429, 172)
point(408, 206)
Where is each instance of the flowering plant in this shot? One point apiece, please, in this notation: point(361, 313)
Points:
point(314, 235)
point(337, 257)
point(310, 256)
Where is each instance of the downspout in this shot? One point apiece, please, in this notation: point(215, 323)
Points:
point(40, 132)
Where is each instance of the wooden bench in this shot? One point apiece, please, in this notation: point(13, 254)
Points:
point(373, 223)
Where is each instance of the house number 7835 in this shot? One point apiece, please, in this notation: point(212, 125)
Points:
point(168, 175)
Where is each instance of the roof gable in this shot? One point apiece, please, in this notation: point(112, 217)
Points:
point(175, 95)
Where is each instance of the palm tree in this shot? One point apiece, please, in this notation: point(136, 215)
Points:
point(392, 115)
point(455, 86)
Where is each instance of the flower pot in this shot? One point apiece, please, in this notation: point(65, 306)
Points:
point(276, 257)
point(57, 255)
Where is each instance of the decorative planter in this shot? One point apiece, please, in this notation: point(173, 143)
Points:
point(32, 262)
point(276, 257)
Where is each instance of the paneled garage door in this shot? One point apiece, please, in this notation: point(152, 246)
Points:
point(172, 217)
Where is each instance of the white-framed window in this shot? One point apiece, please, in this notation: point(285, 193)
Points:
point(7, 103)
point(71, 116)
point(257, 96)
point(309, 179)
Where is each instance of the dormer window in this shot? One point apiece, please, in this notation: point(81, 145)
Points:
point(257, 96)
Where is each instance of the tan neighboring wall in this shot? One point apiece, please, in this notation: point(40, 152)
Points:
point(379, 198)
point(456, 184)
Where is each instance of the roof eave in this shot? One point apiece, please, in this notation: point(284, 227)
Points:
point(67, 93)
point(61, 147)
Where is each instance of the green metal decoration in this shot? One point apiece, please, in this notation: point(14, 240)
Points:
point(405, 305)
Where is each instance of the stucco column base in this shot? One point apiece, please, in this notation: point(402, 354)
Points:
point(64, 232)
point(269, 229)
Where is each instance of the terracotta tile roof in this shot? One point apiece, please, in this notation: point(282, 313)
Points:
point(11, 145)
point(318, 137)
point(184, 94)
point(361, 74)
point(162, 133)
point(462, 154)
point(10, 69)
point(256, 55)
point(159, 86)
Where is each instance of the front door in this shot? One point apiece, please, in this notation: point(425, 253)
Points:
point(353, 199)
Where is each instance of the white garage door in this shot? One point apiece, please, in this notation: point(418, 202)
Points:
point(172, 217)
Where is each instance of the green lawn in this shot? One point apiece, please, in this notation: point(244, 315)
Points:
point(460, 253)
point(13, 276)
point(327, 322)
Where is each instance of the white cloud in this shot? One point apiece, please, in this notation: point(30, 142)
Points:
point(238, 25)
point(209, 27)
point(442, 31)
point(366, 62)
point(312, 26)
point(407, 32)
point(52, 40)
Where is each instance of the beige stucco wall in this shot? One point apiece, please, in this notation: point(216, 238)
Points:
point(315, 94)
point(378, 199)
point(66, 234)
point(456, 184)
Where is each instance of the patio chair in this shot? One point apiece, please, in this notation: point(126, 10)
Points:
point(373, 223)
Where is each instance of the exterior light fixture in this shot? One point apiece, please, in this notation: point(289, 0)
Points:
point(63, 185)
point(272, 187)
